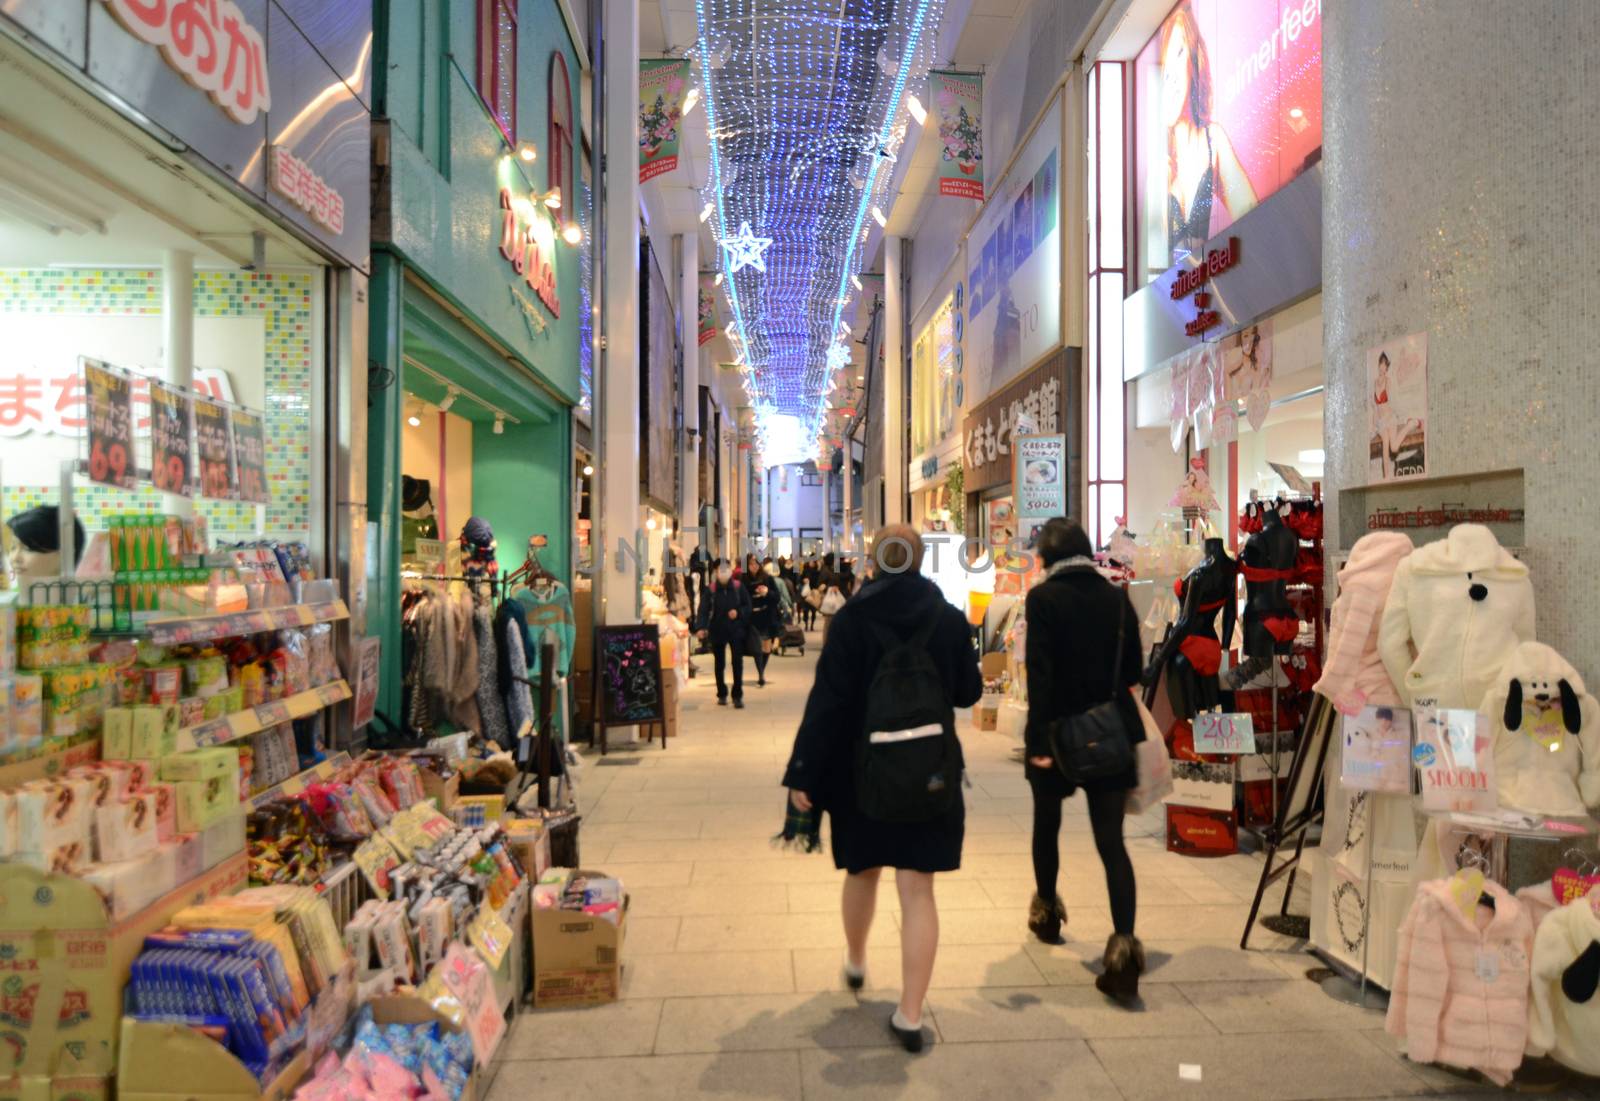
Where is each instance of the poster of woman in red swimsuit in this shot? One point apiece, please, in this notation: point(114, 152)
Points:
point(1397, 404)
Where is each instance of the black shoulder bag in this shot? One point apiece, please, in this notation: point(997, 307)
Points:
point(1096, 744)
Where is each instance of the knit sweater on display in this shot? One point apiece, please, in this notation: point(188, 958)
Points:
point(1563, 967)
point(1353, 675)
point(1461, 983)
point(1436, 639)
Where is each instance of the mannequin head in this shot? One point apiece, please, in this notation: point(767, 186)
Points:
point(36, 543)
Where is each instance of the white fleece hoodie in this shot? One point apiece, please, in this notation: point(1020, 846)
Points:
point(1455, 610)
point(1353, 675)
point(1543, 765)
point(1566, 1029)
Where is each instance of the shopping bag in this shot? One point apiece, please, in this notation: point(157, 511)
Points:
point(832, 602)
point(1155, 767)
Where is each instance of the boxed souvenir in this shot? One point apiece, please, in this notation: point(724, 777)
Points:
point(127, 829)
point(201, 803)
point(201, 764)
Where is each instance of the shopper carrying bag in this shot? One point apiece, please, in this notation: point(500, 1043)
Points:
point(877, 750)
point(1083, 731)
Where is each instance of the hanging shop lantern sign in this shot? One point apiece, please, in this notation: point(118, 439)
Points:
point(528, 242)
point(958, 105)
point(210, 45)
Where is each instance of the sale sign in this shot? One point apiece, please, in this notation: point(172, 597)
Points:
point(1215, 732)
point(250, 456)
point(109, 392)
point(214, 449)
point(171, 445)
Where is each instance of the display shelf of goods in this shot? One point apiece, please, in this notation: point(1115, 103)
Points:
point(69, 961)
point(298, 783)
point(253, 720)
point(49, 761)
point(209, 628)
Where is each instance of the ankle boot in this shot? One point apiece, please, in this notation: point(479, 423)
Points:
point(1045, 919)
point(1124, 963)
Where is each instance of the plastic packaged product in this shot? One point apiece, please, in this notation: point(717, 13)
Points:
point(319, 652)
point(296, 662)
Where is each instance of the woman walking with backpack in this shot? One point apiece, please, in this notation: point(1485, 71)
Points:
point(877, 750)
point(1083, 650)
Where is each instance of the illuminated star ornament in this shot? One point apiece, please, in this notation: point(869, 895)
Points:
point(746, 250)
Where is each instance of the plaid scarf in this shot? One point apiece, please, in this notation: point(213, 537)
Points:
point(802, 829)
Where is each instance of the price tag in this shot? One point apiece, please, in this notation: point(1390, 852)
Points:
point(1487, 965)
point(325, 612)
point(302, 615)
point(261, 621)
point(272, 713)
point(332, 693)
point(214, 732)
point(1215, 732)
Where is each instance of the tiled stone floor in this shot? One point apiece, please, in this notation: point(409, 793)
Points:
point(731, 978)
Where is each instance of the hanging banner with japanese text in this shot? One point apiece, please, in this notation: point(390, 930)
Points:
point(708, 307)
point(250, 455)
point(109, 392)
point(663, 82)
point(1034, 405)
point(171, 449)
point(214, 448)
point(958, 106)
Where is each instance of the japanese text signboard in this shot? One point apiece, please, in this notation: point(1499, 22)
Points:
point(214, 446)
point(110, 416)
point(1039, 400)
point(171, 453)
point(250, 455)
point(211, 45)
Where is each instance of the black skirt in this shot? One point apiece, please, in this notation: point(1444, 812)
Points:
point(860, 843)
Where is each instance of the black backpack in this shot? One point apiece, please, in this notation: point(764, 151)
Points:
point(908, 759)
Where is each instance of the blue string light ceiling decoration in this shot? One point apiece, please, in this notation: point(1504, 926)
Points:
point(806, 110)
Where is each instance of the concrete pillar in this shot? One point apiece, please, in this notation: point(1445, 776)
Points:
point(827, 509)
point(177, 340)
point(848, 536)
point(894, 413)
point(617, 515)
point(689, 394)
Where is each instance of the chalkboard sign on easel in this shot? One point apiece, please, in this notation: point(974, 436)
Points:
point(627, 680)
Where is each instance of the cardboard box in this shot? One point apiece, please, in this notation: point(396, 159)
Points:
point(444, 793)
point(986, 713)
point(529, 840)
point(1192, 831)
point(162, 1062)
point(577, 958)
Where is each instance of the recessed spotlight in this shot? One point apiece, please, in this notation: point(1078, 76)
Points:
point(588, 470)
point(414, 420)
point(1296, 113)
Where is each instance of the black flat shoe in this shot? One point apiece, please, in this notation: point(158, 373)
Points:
point(910, 1038)
point(722, 701)
point(738, 705)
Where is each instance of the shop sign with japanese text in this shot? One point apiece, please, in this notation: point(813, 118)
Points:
point(1038, 400)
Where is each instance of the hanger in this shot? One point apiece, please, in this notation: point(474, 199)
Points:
point(1467, 885)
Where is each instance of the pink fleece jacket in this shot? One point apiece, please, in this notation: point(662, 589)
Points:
point(1353, 675)
point(1461, 984)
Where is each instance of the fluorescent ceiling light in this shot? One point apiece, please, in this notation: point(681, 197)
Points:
point(705, 213)
point(877, 216)
point(855, 281)
point(918, 111)
point(690, 100)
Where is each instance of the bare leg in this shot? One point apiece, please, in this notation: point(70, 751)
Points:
point(919, 941)
point(859, 903)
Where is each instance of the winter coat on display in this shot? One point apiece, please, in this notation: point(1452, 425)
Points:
point(823, 761)
point(715, 604)
point(1546, 734)
point(1267, 562)
point(1461, 983)
point(1192, 652)
point(1565, 1018)
point(1455, 610)
point(1353, 676)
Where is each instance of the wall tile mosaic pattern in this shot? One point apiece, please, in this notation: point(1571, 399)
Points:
point(1461, 202)
point(282, 299)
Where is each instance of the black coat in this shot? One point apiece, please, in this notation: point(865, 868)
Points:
point(822, 764)
point(715, 604)
point(765, 609)
point(1071, 653)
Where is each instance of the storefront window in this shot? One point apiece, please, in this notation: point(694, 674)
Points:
point(497, 63)
point(1228, 109)
point(933, 380)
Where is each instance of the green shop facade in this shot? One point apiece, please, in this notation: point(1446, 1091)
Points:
point(475, 310)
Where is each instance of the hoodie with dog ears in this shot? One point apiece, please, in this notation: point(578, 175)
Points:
point(1546, 734)
point(1353, 675)
point(1455, 610)
point(1564, 1014)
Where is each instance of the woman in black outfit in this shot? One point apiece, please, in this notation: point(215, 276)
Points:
point(1074, 619)
point(765, 622)
point(811, 582)
point(894, 606)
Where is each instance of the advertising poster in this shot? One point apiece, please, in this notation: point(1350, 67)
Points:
point(1229, 97)
point(1454, 759)
point(171, 443)
point(1247, 371)
point(109, 392)
point(663, 82)
point(1000, 521)
point(708, 307)
point(214, 450)
point(1013, 289)
point(250, 455)
point(958, 106)
point(1377, 751)
point(1041, 477)
point(1397, 408)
